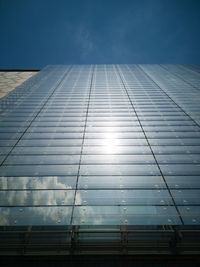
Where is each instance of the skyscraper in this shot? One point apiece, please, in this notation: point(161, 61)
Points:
point(102, 158)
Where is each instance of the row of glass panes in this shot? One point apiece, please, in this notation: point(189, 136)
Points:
point(103, 159)
point(93, 123)
point(98, 215)
point(181, 138)
point(108, 108)
point(62, 127)
point(59, 133)
point(99, 182)
point(47, 197)
point(95, 169)
point(51, 136)
point(56, 122)
point(141, 114)
point(103, 102)
point(95, 117)
point(99, 145)
point(70, 150)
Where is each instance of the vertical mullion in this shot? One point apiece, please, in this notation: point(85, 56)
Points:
point(81, 153)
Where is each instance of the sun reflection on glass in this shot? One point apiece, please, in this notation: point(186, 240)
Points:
point(110, 143)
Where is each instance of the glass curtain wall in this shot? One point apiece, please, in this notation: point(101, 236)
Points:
point(98, 145)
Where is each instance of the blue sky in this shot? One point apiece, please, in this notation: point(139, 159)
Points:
point(35, 33)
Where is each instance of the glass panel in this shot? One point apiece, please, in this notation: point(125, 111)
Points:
point(112, 182)
point(56, 123)
point(14, 123)
point(9, 136)
point(176, 149)
point(113, 129)
point(115, 135)
point(48, 182)
point(178, 158)
point(59, 129)
point(12, 129)
point(123, 197)
point(7, 143)
point(125, 215)
point(115, 159)
point(38, 170)
point(50, 142)
point(35, 215)
point(186, 197)
point(175, 141)
point(112, 123)
point(183, 181)
point(5, 150)
point(50, 159)
point(119, 170)
point(111, 148)
point(46, 150)
point(37, 198)
point(53, 135)
point(170, 128)
point(180, 169)
point(176, 134)
point(190, 214)
point(119, 142)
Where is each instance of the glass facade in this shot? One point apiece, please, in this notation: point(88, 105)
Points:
point(102, 145)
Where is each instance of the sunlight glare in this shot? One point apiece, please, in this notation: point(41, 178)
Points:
point(110, 143)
